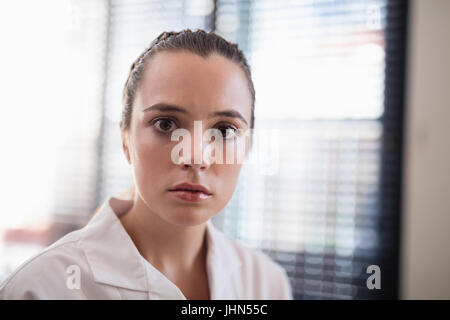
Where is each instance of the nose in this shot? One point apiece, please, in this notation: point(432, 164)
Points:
point(201, 166)
point(198, 157)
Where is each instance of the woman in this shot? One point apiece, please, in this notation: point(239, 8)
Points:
point(160, 243)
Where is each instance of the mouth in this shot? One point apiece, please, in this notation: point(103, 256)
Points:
point(191, 192)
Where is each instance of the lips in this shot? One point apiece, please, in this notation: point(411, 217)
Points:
point(191, 188)
point(190, 192)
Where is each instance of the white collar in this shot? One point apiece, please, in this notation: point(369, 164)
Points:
point(115, 260)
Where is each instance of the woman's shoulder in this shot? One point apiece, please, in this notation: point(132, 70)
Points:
point(257, 269)
point(46, 270)
point(250, 257)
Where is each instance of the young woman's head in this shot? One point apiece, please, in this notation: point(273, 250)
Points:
point(181, 78)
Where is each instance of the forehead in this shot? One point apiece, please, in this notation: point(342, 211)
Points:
point(187, 79)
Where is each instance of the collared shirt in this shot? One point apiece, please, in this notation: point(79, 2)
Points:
point(100, 261)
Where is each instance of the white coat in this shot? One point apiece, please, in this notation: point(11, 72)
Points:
point(100, 261)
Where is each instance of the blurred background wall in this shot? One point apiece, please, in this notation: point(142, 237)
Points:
point(425, 271)
point(330, 80)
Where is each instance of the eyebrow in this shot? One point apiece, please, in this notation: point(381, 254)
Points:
point(168, 107)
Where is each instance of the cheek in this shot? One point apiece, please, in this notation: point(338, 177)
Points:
point(228, 175)
point(226, 180)
point(228, 172)
point(151, 155)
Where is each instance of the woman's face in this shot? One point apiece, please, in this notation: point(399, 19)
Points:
point(213, 91)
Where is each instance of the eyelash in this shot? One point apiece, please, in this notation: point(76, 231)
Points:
point(227, 127)
point(155, 121)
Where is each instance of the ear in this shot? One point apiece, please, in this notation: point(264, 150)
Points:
point(125, 145)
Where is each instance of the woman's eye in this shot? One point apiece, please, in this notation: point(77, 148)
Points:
point(227, 132)
point(164, 125)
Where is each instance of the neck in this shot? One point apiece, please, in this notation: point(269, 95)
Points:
point(172, 249)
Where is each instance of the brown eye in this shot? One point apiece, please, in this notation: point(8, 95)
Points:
point(164, 125)
point(227, 132)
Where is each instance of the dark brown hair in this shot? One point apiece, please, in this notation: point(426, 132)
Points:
point(199, 42)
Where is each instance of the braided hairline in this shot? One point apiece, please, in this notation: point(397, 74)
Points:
point(136, 72)
point(164, 36)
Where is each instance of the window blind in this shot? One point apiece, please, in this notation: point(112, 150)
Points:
point(52, 71)
point(329, 78)
point(74, 195)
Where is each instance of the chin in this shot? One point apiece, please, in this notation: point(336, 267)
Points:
point(188, 217)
